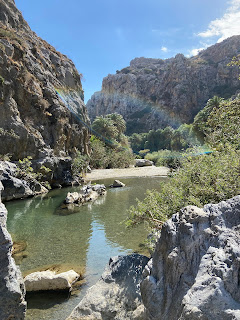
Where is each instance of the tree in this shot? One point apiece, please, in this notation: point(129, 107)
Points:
point(104, 128)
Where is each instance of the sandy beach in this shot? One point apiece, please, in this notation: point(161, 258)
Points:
point(152, 171)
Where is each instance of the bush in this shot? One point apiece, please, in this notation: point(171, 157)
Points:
point(79, 164)
point(203, 179)
point(168, 158)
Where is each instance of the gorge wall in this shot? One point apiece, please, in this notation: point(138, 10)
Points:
point(12, 291)
point(35, 121)
point(154, 93)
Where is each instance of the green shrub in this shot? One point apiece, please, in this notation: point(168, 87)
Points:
point(25, 170)
point(203, 179)
point(79, 164)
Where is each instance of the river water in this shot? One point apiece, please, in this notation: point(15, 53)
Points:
point(83, 240)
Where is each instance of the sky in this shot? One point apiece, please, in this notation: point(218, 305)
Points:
point(102, 36)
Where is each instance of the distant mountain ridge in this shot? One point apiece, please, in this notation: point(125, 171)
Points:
point(154, 93)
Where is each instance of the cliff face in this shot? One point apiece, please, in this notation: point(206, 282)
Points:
point(12, 291)
point(34, 120)
point(154, 93)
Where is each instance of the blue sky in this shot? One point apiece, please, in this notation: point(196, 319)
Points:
point(102, 36)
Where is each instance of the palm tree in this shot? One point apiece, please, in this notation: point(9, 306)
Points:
point(118, 121)
point(104, 128)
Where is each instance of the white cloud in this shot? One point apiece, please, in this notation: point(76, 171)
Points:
point(164, 49)
point(196, 51)
point(226, 26)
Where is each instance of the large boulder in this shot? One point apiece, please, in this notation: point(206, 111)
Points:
point(12, 292)
point(49, 280)
point(194, 272)
point(117, 294)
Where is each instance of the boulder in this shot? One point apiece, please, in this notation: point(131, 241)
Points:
point(117, 184)
point(117, 294)
point(49, 280)
point(143, 163)
point(194, 272)
point(72, 197)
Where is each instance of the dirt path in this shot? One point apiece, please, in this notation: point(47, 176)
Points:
point(128, 172)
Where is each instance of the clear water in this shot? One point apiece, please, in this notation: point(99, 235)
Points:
point(83, 240)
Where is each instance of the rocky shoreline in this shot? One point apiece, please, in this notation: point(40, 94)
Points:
point(193, 273)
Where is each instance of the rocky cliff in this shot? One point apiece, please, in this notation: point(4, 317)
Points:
point(12, 292)
point(38, 88)
point(195, 269)
point(154, 93)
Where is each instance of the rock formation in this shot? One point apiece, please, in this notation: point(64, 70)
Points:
point(15, 188)
point(41, 96)
point(117, 294)
point(194, 271)
point(154, 93)
point(12, 291)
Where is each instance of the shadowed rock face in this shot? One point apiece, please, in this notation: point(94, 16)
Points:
point(12, 292)
point(153, 93)
point(194, 272)
point(117, 294)
point(34, 120)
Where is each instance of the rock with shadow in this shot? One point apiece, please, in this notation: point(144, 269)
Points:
point(117, 294)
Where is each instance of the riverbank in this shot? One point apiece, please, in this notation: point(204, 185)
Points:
point(150, 171)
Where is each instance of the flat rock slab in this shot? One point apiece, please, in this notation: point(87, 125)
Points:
point(49, 280)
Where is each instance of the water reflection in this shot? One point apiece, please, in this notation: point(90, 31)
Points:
point(83, 240)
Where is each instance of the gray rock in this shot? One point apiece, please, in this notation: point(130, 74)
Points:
point(12, 291)
point(195, 266)
point(87, 193)
point(154, 93)
point(117, 294)
point(143, 163)
point(15, 188)
point(117, 184)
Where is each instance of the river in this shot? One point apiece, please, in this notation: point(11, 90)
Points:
point(83, 240)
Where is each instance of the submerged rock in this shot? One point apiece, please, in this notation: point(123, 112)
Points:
point(117, 184)
point(49, 280)
point(117, 294)
point(194, 273)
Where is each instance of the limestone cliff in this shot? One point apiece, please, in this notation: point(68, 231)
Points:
point(154, 93)
point(12, 291)
point(194, 272)
point(34, 120)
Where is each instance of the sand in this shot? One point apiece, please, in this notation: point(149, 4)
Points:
point(152, 171)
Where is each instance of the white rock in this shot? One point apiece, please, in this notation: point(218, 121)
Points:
point(49, 280)
point(72, 197)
